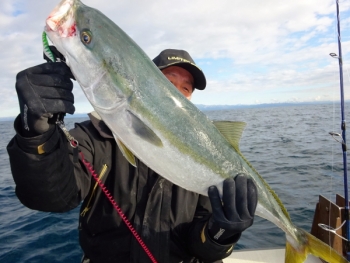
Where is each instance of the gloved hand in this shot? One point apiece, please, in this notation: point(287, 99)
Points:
point(235, 212)
point(43, 91)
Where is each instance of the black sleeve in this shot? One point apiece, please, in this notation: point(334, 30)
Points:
point(200, 243)
point(49, 181)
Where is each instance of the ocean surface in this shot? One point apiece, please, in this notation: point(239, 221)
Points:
point(290, 147)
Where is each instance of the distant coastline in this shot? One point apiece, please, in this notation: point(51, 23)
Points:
point(218, 107)
point(263, 105)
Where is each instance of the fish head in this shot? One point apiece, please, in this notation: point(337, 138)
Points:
point(61, 28)
point(61, 19)
point(84, 36)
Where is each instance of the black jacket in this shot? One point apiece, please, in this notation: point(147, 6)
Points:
point(169, 219)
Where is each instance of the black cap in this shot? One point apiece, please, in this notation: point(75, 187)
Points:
point(181, 58)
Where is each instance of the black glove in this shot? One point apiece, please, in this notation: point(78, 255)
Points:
point(235, 212)
point(43, 91)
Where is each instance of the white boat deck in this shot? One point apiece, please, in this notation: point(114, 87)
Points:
point(263, 256)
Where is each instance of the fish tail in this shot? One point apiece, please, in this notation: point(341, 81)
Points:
point(309, 244)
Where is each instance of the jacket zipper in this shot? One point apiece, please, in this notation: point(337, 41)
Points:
point(87, 208)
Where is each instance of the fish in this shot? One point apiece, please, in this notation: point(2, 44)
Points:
point(152, 121)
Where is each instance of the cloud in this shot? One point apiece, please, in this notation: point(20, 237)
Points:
point(250, 50)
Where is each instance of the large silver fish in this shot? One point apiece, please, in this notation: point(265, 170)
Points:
point(152, 120)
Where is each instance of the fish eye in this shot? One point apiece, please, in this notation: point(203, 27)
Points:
point(86, 37)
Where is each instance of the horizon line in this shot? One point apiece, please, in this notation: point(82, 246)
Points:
point(206, 107)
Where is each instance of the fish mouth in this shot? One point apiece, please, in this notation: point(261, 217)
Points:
point(61, 20)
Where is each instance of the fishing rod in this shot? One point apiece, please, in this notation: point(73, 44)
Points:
point(343, 135)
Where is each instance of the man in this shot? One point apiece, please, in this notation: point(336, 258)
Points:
point(176, 225)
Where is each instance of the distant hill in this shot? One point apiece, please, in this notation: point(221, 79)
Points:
point(7, 118)
point(77, 115)
point(264, 105)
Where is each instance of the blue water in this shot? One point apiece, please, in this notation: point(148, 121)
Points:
point(289, 146)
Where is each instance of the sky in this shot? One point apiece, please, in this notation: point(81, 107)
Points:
point(251, 51)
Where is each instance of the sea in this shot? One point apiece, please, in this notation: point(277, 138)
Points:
point(289, 145)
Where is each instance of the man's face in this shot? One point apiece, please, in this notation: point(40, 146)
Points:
point(181, 79)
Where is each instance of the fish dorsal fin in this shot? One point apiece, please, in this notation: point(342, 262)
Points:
point(231, 130)
point(125, 151)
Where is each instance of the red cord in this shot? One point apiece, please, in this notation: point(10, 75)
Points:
point(117, 208)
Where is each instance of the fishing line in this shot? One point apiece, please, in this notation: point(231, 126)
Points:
point(340, 138)
point(328, 228)
point(343, 131)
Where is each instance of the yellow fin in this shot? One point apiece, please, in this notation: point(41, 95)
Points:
point(320, 249)
point(294, 256)
point(314, 246)
point(231, 130)
point(126, 152)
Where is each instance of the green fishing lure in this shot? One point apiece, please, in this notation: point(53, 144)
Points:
point(46, 47)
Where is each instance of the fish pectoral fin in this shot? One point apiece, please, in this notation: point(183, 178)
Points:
point(231, 130)
point(125, 151)
point(143, 131)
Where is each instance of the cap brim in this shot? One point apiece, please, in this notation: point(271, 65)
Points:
point(198, 76)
